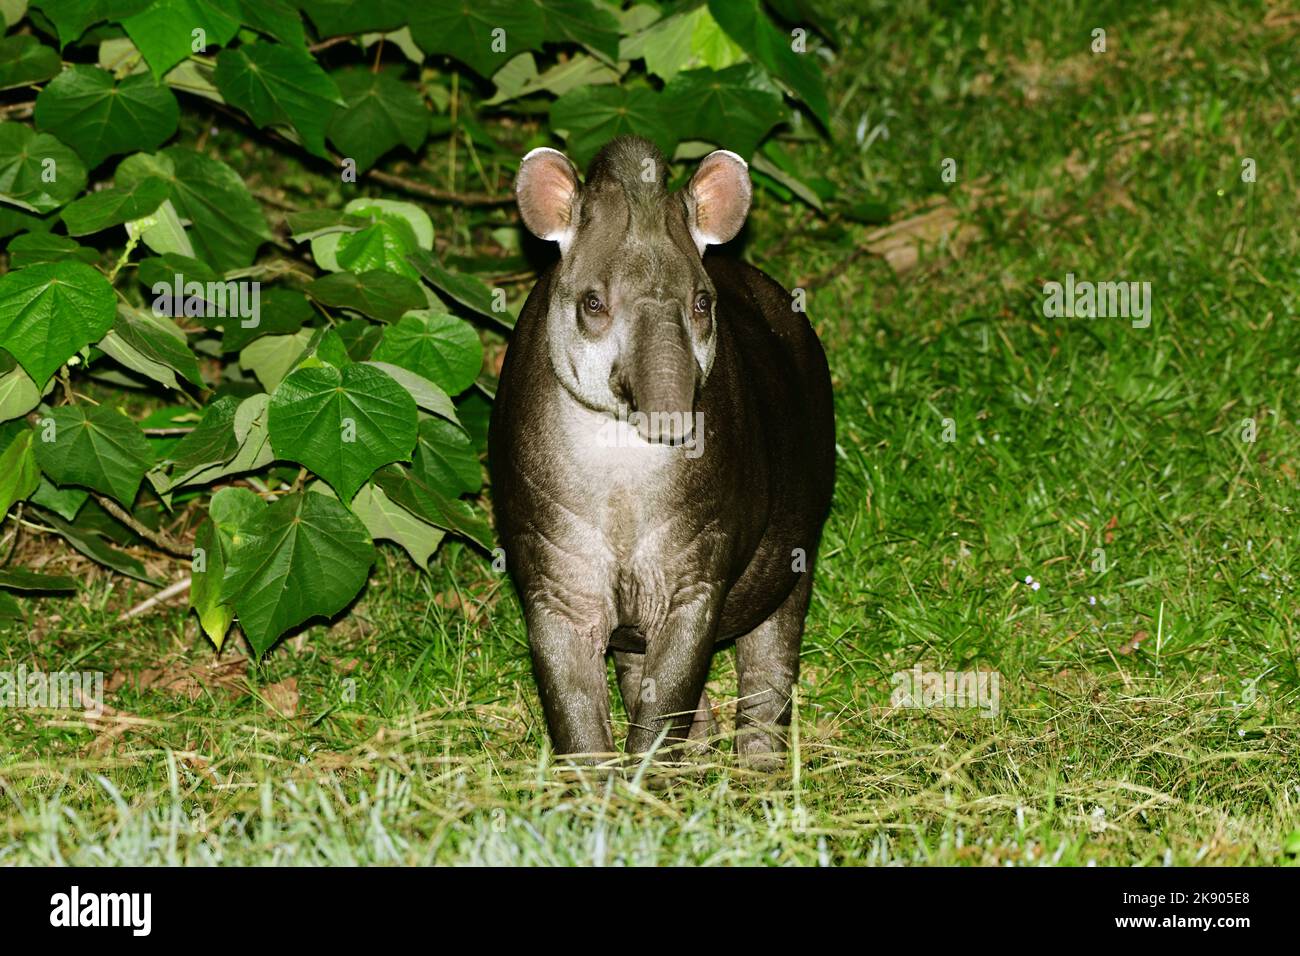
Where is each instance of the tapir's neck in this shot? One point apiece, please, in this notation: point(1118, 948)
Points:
point(606, 448)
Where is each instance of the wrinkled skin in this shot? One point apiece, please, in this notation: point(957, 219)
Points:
point(658, 541)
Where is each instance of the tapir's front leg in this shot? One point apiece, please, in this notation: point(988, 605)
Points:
point(570, 666)
point(676, 666)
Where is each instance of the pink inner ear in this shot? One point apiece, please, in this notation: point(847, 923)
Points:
point(722, 192)
point(545, 192)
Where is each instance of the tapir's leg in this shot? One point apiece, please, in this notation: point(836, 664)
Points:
point(676, 665)
point(767, 662)
point(570, 668)
point(631, 669)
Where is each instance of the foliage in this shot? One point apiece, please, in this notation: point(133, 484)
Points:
point(181, 359)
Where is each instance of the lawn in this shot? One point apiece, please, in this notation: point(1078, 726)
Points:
point(1101, 513)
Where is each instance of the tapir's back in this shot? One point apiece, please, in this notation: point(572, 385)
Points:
point(779, 362)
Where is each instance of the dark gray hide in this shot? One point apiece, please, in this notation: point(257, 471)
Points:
point(662, 455)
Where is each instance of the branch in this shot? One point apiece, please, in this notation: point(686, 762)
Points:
point(158, 539)
point(441, 195)
point(166, 594)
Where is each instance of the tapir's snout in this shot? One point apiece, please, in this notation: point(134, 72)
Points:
point(661, 373)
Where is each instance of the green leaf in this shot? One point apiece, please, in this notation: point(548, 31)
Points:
point(387, 520)
point(93, 546)
point(339, 17)
point(580, 21)
point(19, 475)
point(37, 172)
point(18, 393)
point(274, 19)
point(520, 78)
point(445, 458)
point(747, 24)
point(33, 248)
point(152, 345)
point(304, 556)
point(465, 289)
point(64, 502)
point(427, 395)
point(392, 231)
point(162, 231)
point(592, 116)
point(430, 504)
point(163, 30)
point(84, 108)
point(71, 18)
point(282, 311)
point(342, 423)
point(380, 295)
point(483, 34)
point(733, 108)
point(98, 448)
point(436, 346)
point(24, 61)
point(212, 442)
point(254, 446)
point(381, 112)
point(272, 357)
point(12, 12)
point(49, 311)
point(207, 573)
point(113, 207)
point(228, 225)
point(312, 223)
point(278, 85)
point(18, 579)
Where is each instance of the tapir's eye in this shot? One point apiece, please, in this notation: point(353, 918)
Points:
point(593, 303)
point(703, 303)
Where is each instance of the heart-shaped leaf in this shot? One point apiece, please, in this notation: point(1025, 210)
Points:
point(446, 459)
point(163, 31)
point(84, 108)
point(37, 172)
point(25, 60)
point(279, 85)
point(382, 112)
point(591, 116)
point(304, 556)
point(380, 295)
point(342, 423)
point(49, 311)
point(227, 223)
point(437, 346)
point(733, 108)
point(98, 448)
point(112, 207)
point(483, 35)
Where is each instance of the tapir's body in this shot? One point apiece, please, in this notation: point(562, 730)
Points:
point(658, 550)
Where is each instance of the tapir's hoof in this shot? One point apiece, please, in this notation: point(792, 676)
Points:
point(756, 750)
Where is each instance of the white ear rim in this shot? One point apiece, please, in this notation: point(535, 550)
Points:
point(704, 239)
point(563, 236)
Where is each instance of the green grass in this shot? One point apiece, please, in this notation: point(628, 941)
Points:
point(419, 737)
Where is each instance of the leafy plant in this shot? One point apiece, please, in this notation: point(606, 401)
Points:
point(186, 366)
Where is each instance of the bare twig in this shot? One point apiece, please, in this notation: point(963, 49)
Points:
point(441, 195)
point(166, 594)
point(158, 539)
point(326, 44)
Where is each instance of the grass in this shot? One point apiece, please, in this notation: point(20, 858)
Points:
point(1148, 711)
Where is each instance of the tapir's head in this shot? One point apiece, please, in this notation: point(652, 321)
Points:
point(630, 321)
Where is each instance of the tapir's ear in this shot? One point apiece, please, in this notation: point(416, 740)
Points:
point(547, 192)
point(717, 198)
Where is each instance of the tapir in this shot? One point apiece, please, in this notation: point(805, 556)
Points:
point(662, 453)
